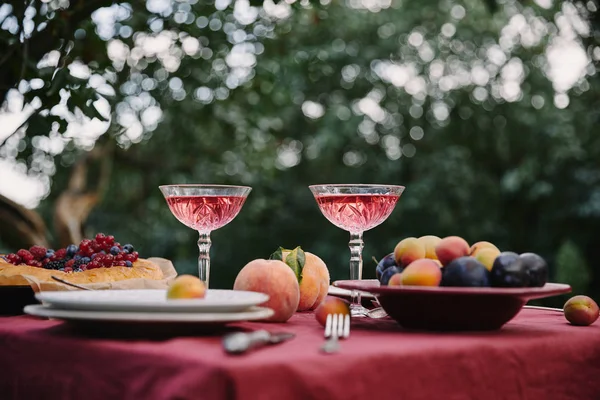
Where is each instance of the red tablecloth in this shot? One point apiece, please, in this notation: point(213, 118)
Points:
point(536, 356)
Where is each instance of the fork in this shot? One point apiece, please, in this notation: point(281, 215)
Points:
point(336, 326)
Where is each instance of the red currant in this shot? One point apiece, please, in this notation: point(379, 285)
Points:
point(110, 239)
point(68, 269)
point(70, 263)
point(83, 267)
point(100, 237)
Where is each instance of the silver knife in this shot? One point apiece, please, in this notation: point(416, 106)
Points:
point(240, 342)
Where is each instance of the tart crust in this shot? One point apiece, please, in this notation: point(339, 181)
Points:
point(12, 275)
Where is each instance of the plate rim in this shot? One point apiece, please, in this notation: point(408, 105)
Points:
point(50, 297)
point(253, 313)
point(373, 286)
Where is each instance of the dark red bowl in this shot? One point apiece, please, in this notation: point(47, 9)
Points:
point(452, 308)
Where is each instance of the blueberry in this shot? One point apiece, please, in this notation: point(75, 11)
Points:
point(114, 250)
point(71, 250)
point(77, 257)
point(86, 260)
point(49, 253)
point(388, 273)
point(128, 249)
point(128, 264)
point(385, 263)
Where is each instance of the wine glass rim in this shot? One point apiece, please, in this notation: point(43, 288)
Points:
point(204, 185)
point(376, 185)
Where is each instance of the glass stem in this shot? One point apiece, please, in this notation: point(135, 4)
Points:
point(204, 257)
point(356, 245)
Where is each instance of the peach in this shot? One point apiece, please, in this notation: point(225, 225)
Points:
point(450, 248)
point(479, 246)
point(277, 280)
point(487, 256)
point(423, 272)
point(581, 310)
point(408, 250)
point(331, 305)
point(312, 274)
point(186, 287)
point(395, 280)
point(429, 242)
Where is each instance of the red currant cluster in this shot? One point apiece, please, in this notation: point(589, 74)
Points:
point(102, 251)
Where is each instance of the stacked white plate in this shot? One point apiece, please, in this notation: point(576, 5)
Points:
point(150, 306)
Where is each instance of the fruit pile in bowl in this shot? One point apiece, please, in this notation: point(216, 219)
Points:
point(451, 262)
point(446, 284)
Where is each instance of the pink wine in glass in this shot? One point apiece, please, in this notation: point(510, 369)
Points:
point(205, 213)
point(357, 212)
point(356, 208)
point(205, 208)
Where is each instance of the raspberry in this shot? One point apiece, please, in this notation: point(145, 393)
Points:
point(93, 264)
point(83, 267)
point(25, 255)
point(70, 264)
point(68, 269)
point(60, 254)
point(38, 252)
point(13, 258)
point(35, 263)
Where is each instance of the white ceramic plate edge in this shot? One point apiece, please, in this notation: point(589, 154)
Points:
point(62, 300)
point(255, 313)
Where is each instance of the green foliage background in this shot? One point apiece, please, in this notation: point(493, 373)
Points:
point(522, 176)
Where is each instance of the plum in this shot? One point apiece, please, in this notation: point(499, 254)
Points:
point(509, 271)
point(465, 272)
point(409, 250)
point(388, 273)
point(581, 311)
point(536, 268)
point(385, 263)
point(451, 248)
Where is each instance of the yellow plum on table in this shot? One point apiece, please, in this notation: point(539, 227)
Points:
point(581, 310)
point(186, 287)
point(430, 242)
point(331, 305)
point(423, 272)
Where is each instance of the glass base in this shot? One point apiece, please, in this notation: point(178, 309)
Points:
point(358, 311)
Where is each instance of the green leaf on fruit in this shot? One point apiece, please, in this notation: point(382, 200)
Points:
point(277, 255)
point(296, 260)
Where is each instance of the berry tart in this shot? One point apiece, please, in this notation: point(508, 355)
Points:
point(101, 259)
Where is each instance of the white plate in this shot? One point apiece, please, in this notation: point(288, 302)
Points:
point(252, 314)
point(151, 300)
point(339, 292)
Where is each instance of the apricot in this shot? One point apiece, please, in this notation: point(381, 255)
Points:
point(423, 272)
point(581, 310)
point(331, 305)
point(479, 246)
point(314, 280)
point(429, 242)
point(408, 250)
point(487, 256)
point(451, 248)
point(395, 280)
point(186, 287)
point(277, 280)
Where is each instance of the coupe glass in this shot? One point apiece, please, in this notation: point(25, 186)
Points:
point(356, 209)
point(205, 208)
